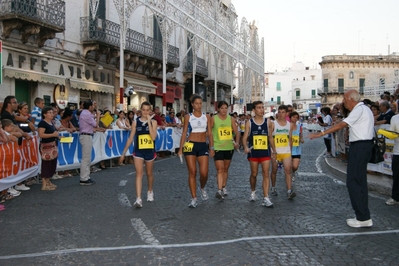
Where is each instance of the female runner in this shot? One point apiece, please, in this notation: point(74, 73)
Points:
point(144, 133)
point(197, 125)
point(223, 127)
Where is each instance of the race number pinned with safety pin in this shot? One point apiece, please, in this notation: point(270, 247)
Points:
point(295, 141)
point(145, 142)
point(225, 133)
point(188, 147)
point(281, 140)
point(260, 142)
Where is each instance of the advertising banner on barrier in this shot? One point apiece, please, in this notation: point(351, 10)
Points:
point(20, 162)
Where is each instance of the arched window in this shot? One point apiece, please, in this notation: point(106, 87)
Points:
point(351, 75)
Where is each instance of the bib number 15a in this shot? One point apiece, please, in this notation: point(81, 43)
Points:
point(225, 133)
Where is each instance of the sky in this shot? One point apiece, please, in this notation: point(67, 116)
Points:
point(306, 30)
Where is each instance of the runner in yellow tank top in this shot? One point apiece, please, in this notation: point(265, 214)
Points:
point(281, 130)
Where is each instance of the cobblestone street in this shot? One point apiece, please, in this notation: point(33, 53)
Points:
point(97, 225)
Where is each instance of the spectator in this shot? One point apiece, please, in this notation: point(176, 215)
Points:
point(37, 111)
point(56, 109)
point(66, 121)
point(7, 112)
point(327, 122)
point(157, 116)
point(48, 133)
point(87, 124)
point(360, 122)
point(386, 114)
point(75, 115)
point(122, 122)
point(22, 117)
point(171, 120)
point(375, 109)
point(131, 116)
point(394, 200)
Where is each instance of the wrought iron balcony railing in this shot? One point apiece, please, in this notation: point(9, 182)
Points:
point(108, 33)
point(46, 13)
point(200, 68)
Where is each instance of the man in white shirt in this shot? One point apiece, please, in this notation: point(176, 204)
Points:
point(394, 200)
point(361, 131)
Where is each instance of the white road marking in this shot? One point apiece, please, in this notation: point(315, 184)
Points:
point(122, 183)
point(144, 232)
point(196, 244)
point(311, 174)
point(123, 199)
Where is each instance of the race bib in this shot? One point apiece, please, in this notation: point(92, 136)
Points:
point(281, 140)
point(188, 147)
point(242, 127)
point(295, 141)
point(145, 142)
point(225, 133)
point(260, 142)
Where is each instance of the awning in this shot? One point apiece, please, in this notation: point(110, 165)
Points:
point(141, 85)
point(90, 86)
point(32, 75)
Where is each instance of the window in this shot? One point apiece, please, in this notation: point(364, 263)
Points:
point(351, 75)
point(341, 85)
point(278, 100)
point(271, 99)
point(313, 93)
point(304, 78)
point(361, 85)
point(278, 86)
point(325, 82)
point(297, 95)
point(382, 83)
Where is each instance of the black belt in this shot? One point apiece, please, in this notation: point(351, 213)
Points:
point(89, 134)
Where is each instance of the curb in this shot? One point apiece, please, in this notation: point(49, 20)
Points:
point(379, 183)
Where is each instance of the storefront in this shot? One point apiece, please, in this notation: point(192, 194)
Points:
point(172, 98)
point(142, 89)
point(28, 75)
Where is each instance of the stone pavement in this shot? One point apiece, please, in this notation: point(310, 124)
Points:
point(97, 225)
point(376, 181)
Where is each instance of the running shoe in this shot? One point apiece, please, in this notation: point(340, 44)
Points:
point(391, 202)
point(294, 176)
point(280, 166)
point(224, 192)
point(204, 195)
point(193, 203)
point(252, 198)
point(291, 195)
point(150, 196)
point(138, 203)
point(219, 195)
point(274, 192)
point(267, 203)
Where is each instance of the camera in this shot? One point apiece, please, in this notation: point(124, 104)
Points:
point(129, 91)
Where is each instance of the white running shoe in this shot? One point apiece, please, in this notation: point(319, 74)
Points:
point(224, 191)
point(193, 203)
point(138, 203)
point(267, 203)
point(204, 195)
point(21, 187)
point(219, 195)
point(253, 196)
point(150, 196)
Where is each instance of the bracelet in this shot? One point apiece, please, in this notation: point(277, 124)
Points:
point(212, 148)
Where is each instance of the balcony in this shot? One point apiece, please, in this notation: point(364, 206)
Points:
point(331, 90)
point(33, 17)
point(201, 68)
point(105, 34)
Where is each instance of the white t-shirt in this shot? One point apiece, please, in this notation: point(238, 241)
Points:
point(327, 120)
point(395, 127)
point(361, 123)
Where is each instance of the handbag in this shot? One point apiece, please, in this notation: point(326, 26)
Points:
point(48, 151)
point(377, 153)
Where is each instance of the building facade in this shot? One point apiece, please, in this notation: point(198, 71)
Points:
point(371, 75)
point(67, 51)
point(296, 86)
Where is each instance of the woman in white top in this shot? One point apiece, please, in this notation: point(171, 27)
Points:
point(122, 122)
point(197, 126)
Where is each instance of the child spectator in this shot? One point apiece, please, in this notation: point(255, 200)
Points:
point(36, 113)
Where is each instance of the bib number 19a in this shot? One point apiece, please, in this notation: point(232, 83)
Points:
point(145, 142)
